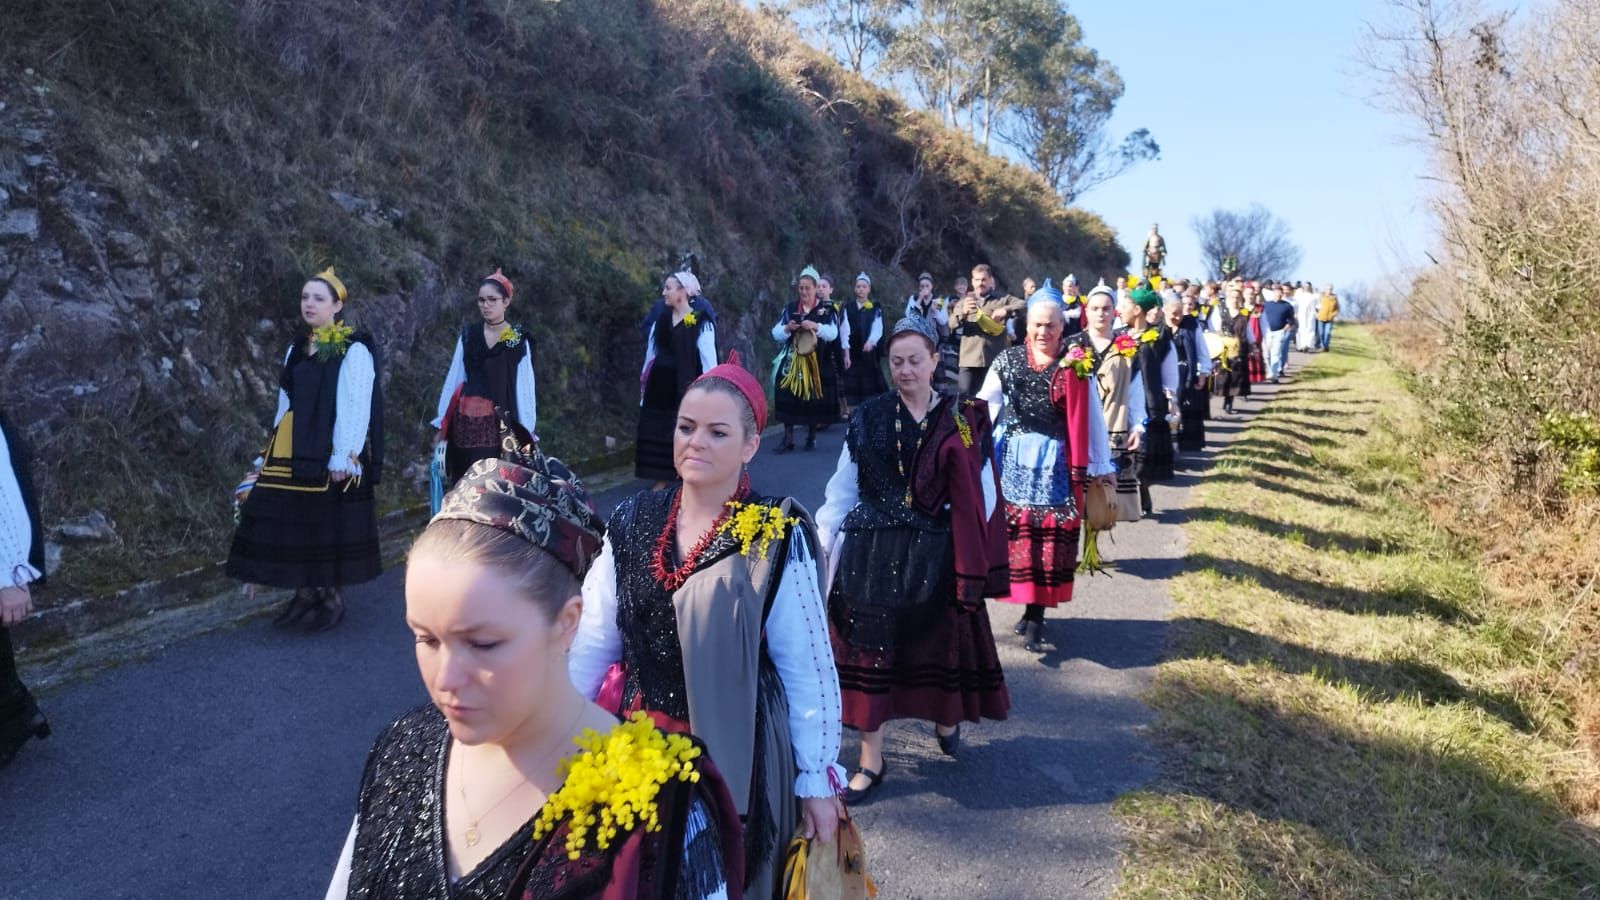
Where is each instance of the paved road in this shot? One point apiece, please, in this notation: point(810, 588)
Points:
point(228, 764)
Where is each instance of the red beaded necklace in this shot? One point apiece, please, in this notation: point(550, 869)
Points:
point(672, 579)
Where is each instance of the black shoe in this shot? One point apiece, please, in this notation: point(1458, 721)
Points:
point(1033, 640)
point(852, 796)
point(297, 607)
point(37, 728)
point(811, 443)
point(784, 447)
point(1021, 626)
point(329, 613)
point(951, 742)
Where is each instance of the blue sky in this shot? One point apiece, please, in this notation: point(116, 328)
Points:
point(1302, 136)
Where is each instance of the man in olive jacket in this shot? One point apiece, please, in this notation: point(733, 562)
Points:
point(983, 319)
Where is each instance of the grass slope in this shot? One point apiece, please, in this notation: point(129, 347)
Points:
point(1346, 710)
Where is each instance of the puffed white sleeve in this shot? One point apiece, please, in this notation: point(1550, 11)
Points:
point(598, 642)
point(844, 331)
point(1169, 371)
point(1137, 411)
point(941, 314)
point(797, 640)
point(875, 333)
point(352, 410)
point(454, 377)
point(1202, 365)
point(339, 887)
point(16, 530)
point(706, 343)
point(991, 394)
point(1099, 440)
point(779, 333)
point(839, 497)
point(283, 395)
point(830, 331)
point(527, 395)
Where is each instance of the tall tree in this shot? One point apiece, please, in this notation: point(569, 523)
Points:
point(857, 29)
point(1061, 96)
point(1255, 237)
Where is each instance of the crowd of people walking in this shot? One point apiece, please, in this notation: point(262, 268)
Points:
point(705, 646)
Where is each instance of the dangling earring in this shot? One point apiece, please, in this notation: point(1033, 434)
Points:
point(744, 480)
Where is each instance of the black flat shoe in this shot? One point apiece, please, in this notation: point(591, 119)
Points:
point(949, 743)
point(328, 614)
point(296, 609)
point(38, 728)
point(1033, 640)
point(1021, 627)
point(852, 796)
point(811, 443)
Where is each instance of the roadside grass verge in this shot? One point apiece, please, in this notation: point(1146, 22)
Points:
point(1347, 710)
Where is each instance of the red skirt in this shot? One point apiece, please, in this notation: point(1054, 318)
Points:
point(1044, 554)
point(943, 669)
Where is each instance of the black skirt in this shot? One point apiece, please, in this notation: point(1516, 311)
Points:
point(315, 538)
point(1155, 452)
point(658, 415)
point(863, 380)
point(1194, 406)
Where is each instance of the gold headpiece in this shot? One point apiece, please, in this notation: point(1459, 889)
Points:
point(332, 280)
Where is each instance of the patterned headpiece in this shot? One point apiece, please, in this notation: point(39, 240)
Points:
point(809, 272)
point(922, 326)
point(327, 277)
point(1103, 288)
point(500, 278)
point(864, 277)
point(735, 374)
point(542, 503)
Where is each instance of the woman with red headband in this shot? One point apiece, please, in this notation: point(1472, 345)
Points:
point(704, 609)
point(491, 373)
point(310, 521)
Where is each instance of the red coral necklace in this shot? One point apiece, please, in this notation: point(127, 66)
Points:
point(669, 578)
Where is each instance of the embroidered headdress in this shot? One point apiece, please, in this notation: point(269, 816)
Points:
point(1048, 293)
point(919, 325)
point(537, 499)
point(689, 282)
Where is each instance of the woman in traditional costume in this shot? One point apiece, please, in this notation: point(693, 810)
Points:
point(705, 610)
point(1051, 443)
point(1256, 333)
point(682, 345)
point(490, 375)
point(496, 788)
point(860, 332)
point(802, 393)
point(310, 523)
point(1120, 391)
point(21, 569)
point(1233, 376)
point(1157, 362)
point(1194, 366)
point(916, 543)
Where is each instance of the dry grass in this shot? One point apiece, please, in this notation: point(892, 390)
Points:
point(1354, 706)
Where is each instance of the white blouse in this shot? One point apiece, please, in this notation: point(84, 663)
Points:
point(936, 312)
point(456, 376)
point(16, 530)
point(797, 642)
point(1099, 440)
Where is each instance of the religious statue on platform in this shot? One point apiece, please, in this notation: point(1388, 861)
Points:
point(1155, 252)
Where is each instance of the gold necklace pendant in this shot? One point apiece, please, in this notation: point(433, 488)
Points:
point(471, 835)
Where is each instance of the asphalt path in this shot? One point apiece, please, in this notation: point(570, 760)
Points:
point(227, 765)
